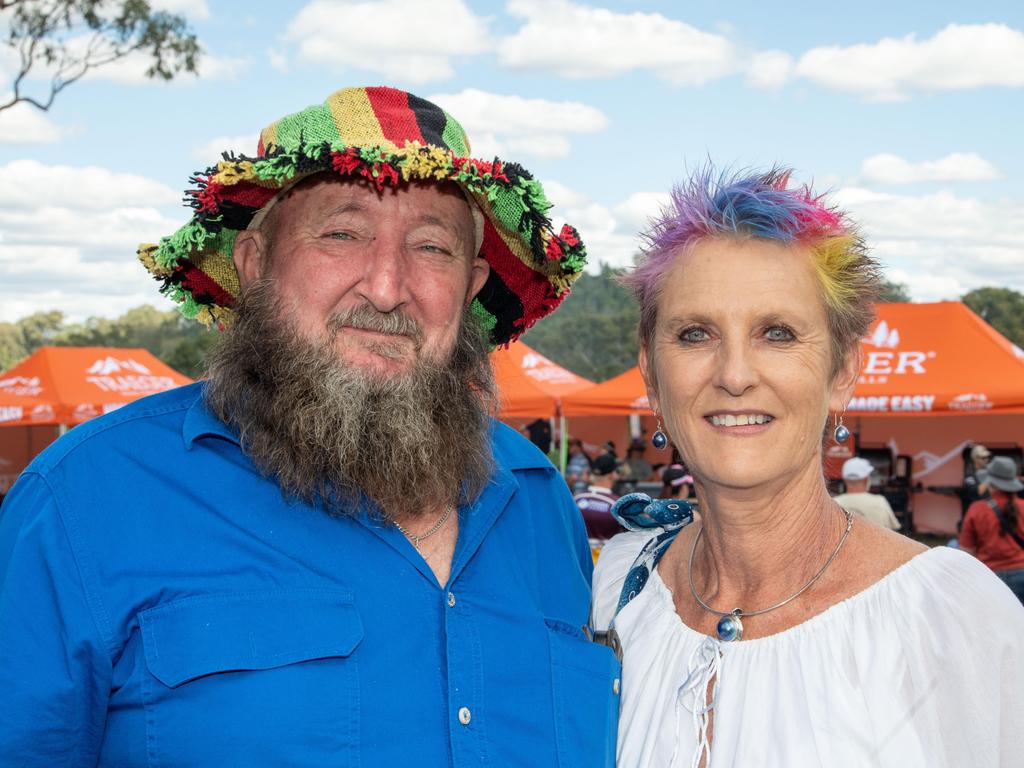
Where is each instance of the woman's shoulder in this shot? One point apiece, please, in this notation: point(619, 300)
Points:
point(610, 572)
point(945, 586)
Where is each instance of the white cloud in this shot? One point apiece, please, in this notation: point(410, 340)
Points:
point(957, 57)
point(407, 39)
point(195, 9)
point(958, 166)
point(27, 185)
point(211, 151)
point(770, 69)
point(68, 237)
point(24, 124)
point(535, 127)
point(579, 41)
point(940, 244)
point(638, 209)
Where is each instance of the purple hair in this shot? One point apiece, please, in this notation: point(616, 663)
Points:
point(761, 205)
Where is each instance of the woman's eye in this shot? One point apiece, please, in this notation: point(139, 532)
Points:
point(779, 333)
point(341, 236)
point(693, 335)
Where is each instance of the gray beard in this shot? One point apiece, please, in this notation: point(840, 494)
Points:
point(338, 435)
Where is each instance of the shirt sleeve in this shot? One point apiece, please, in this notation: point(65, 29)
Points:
point(56, 674)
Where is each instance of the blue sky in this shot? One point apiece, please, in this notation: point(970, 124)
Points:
point(910, 113)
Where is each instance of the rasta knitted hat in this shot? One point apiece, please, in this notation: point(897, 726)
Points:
point(388, 137)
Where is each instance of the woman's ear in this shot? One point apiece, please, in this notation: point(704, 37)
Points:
point(248, 255)
point(652, 390)
point(845, 380)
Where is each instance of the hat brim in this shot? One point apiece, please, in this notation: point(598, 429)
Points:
point(531, 266)
point(1010, 486)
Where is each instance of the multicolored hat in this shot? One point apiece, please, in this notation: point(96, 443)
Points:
point(389, 137)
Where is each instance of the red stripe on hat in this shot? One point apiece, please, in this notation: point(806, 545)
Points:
point(396, 119)
point(529, 286)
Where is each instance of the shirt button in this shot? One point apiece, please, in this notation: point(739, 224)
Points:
point(451, 599)
point(465, 715)
point(615, 686)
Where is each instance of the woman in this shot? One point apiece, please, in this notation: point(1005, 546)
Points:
point(992, 528)
point(780, 631)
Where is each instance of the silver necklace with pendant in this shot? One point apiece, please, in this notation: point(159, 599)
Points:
point(730, 625)
point(415, 540)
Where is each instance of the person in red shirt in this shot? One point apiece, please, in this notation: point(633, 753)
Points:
point(992, 529)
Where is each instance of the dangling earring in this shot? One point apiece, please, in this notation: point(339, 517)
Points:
point(841, 434)
point(659, 439)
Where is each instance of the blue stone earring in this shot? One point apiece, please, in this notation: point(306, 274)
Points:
point(659, 439)
point(841, 433)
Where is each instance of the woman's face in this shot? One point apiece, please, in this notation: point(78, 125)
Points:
point(741, 356)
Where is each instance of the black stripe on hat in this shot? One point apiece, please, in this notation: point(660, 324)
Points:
point(504, 305)
point(431, 120)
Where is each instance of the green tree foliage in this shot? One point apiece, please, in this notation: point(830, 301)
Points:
point(593, 333)
point(1002, 308)
point(62, 40)
point(180, 343)
point(893, 292)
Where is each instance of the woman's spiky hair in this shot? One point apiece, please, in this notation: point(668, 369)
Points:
point(712, 204)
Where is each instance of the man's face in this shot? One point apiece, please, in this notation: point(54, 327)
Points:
point(383, 276)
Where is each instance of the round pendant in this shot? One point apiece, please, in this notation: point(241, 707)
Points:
point(730, 627)
point(842, 434)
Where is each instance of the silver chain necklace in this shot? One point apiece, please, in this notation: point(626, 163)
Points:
point(730, 626)
point(415, 540)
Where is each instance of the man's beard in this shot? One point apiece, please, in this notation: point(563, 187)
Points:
point(337, 434)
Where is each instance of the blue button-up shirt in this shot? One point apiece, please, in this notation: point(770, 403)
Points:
point(162, 604)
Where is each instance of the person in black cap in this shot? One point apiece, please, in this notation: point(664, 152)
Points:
point(596, 501)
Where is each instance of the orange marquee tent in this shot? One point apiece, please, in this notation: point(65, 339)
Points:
point(937, 358)
point(69, 385)
point(623, 395)
point(531, 385)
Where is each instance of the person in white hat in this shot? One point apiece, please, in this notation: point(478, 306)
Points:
point(858, 497)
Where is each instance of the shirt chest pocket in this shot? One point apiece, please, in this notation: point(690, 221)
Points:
point(256, 678)
point(585, 687)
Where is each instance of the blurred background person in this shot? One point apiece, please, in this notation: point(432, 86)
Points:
point(640, 468)
point(975, 474)
point(992, 527)
point(577, 466)
point(860, 500)
point(595, 502)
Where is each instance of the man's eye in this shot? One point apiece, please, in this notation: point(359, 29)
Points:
point(433, 248)
point(779, 333)
point(341, 236)
point(693, 335)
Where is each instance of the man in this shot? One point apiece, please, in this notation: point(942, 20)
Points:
point(859, 500)
point(596, 501)
point(328, 553)
point(975, 485)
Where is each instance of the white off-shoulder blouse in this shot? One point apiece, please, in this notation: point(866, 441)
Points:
point(923, 668)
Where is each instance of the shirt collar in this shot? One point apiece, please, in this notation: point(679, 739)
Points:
point(200, 422)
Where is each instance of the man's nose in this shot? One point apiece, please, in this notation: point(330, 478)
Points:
point(384, 284)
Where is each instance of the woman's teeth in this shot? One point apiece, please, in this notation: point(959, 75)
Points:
point(742, 420)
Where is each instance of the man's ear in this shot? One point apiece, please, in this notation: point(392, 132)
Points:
point(652, 389)
point(248, 255)
point(845, 380)
point(477, 278)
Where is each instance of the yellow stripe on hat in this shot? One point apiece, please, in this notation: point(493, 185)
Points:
point(357, 123)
